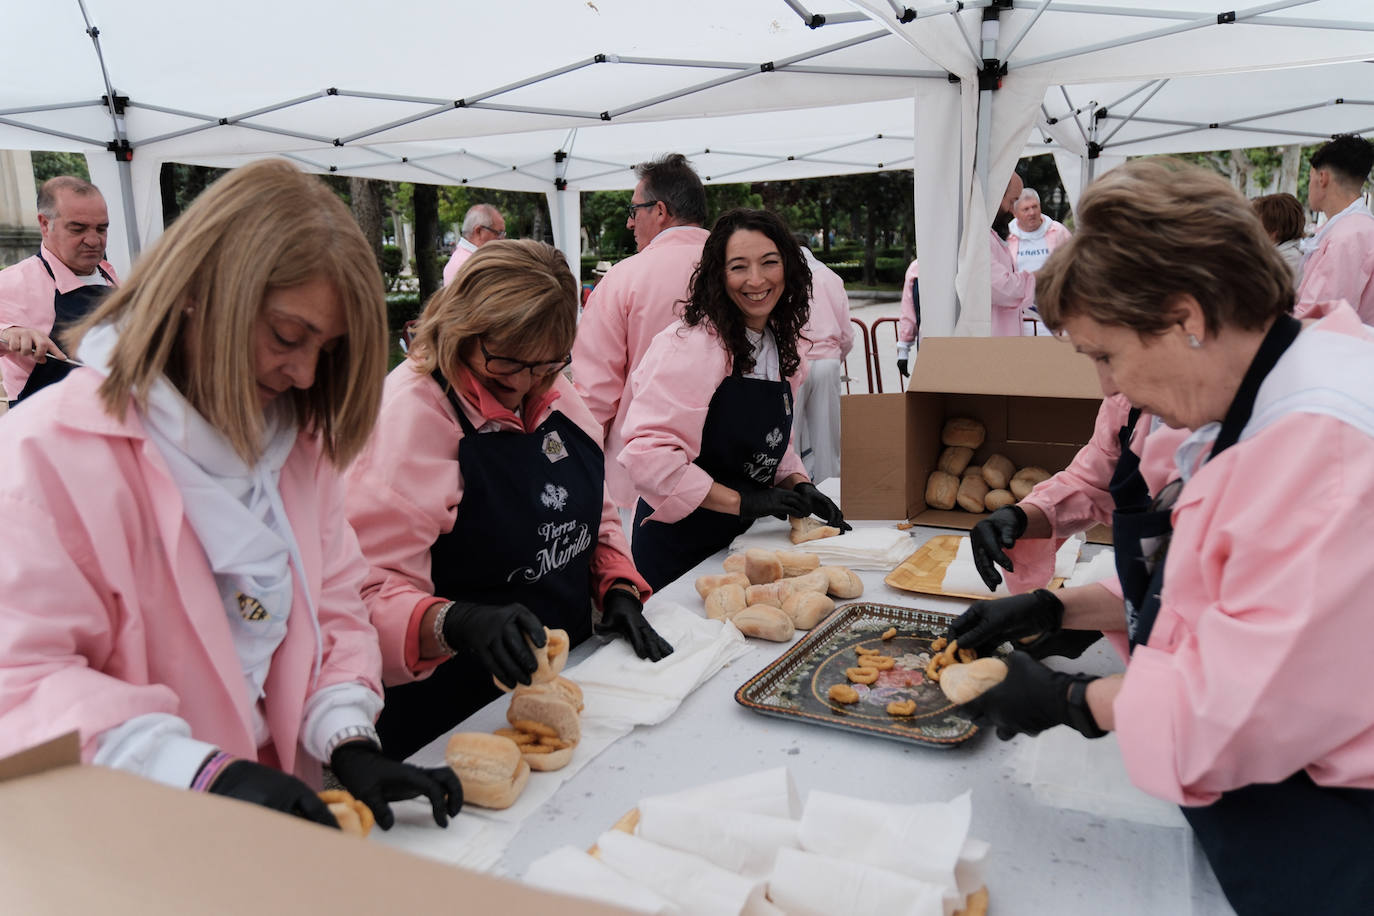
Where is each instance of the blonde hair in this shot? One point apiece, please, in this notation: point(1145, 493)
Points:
point(515, 290)
point(200, 288)
point(1155, 229)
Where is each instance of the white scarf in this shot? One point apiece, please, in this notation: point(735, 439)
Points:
point(1030, 234)
point(237, 514)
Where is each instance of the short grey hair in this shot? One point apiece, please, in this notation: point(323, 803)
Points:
point(1031, 193)
point(47, 193)
point(479, 216)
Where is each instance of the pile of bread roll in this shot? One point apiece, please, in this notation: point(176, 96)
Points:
point(982, 487)
point(544, 731)
point(769, 594)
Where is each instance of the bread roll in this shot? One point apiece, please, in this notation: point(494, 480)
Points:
point(954, 459)
point(962, 683)
point(807, 609)
point(810, 529)
point(708, 584)
point(490, 767)
point(725, 600)
point(551, 656)
point(972, 492)
point(771, 594)
point(1025, 480)
point(973, 470)
point(941, 490)
point(559, 687)
point(353, 816)
point(544, 761)
point(996, 499)
point(547, 709)
point(844, 582)
point(763, 621)
point(814, 581)
point(762, 566)
point(997, 471)
point(734, 563)
point(797, 563)
point(963, 431)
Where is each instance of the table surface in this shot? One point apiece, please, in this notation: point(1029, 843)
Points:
point(1044, 859)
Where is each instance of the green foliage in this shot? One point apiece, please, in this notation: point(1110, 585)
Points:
point(400, 308)
point(603, 216)
point(391, 264)
point(50, 164)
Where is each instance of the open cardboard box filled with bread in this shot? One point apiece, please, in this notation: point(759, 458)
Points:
point(87, 839)
point(1035, 398)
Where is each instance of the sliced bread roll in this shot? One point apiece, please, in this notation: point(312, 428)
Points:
point(551, 656)
point(490, 767)
point(810, 529)
point(962, 683)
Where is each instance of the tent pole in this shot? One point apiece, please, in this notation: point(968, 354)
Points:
point(126, 193)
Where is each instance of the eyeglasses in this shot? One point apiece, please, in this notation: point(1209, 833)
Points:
point(500, 235)
point(635, 207)
point(504, 365)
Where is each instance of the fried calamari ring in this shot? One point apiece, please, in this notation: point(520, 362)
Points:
point(939, 643)
point(941, 659)
point(556, 744)
point(535, 728)
point(862, 674)
point(888, 633)
point(881, 662)
point(517, 736)
point(843, 693)
point(901, 708)
point(861, 651)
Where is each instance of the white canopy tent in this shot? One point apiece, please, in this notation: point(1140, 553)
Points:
point(562, 96)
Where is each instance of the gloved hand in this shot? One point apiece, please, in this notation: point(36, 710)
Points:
point(774, 501)
point(375, 779)
point(990, 536)
point(820, 504)
point(271, 788)
point(902, 367)
point(622, 613)
point(987, 624)
point(496, 635)
point(1034, 698)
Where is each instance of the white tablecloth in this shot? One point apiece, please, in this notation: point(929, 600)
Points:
point(1044, 859)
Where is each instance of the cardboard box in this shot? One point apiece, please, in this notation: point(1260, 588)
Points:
point(86, 839)
point(1037, 398)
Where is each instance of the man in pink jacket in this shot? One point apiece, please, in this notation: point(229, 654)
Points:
point(830, 334)
point(1033, 234)
point(909, 324)
point(639, 297)
point(1339, 262)
point(55, 288)
point(1013, 290)
point(481, 224)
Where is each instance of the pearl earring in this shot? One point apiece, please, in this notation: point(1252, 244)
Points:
point(1194, 342)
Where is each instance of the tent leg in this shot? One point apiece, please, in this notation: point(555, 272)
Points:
point(126, 193)
point(565, 211)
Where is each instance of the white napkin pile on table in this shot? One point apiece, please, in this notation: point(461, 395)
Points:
point(738, 847)
point(961, 575)
point(881, 548)
point(1101, 566)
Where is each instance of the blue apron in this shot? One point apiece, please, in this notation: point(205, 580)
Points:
point(747, 429)
point(68, 309)
point(525, 532)
point(1282, 848)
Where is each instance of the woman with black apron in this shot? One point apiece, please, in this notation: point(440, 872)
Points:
point(480, 502)
point(709, 433)
point(1245, 590)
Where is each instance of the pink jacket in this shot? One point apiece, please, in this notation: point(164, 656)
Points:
point(1342, 267)
point(26, 293)
point(906, 325)
point(1012, 290)
point(1055, 235)
point(109, 610)
point(639, 297)
point(1076, 498)
point(461, 252)
point(673, 387)
point(830, 332)
point(1258, 664)
point(404, 491)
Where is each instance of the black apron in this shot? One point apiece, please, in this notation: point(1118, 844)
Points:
point(68, 309)
point(1282, 848)
point(747, 429)
point(525, 532)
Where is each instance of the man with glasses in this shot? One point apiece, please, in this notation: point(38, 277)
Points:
point(481, 224)
point(639, 297)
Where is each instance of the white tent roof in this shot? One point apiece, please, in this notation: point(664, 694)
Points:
point(489, 93)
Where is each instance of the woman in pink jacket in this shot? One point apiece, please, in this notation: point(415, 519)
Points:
point(1246, 581)
point(480, 503)
point(178, 584)
point(709, 434)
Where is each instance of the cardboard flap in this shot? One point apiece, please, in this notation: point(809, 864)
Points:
point(59, 752)
point(1043, 367)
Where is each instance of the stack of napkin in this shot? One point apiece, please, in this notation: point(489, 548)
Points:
point(739, 847)
point(961, 576)
point(880, 548)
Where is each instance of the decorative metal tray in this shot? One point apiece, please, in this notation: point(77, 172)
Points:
point(797, 684)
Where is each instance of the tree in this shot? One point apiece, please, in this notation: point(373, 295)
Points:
point(425, 198)
point(49, 165)
point(603, 216)
point(365, 200)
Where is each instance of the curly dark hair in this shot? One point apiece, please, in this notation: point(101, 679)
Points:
point(708, 300)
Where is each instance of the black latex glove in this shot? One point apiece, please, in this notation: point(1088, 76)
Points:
point(375, 779)
point(821, 505)
point(991, 536)
point(622, 613)
point(1034, 698)
point(775, 501)
point(496, 635)
point(987, 624)
point(271, 788)
point(902, 368)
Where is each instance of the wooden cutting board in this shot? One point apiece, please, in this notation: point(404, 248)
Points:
point(924, 570)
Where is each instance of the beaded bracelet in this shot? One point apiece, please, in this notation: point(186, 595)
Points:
point(209, 770)
point(439, 618)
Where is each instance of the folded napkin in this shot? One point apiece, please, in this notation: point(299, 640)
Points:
point(879, 548)
point(571, 871)
point(921, 841)
point(468, 841)
point(737, 841)
point(767, 792)
point(805, 884)
point(961, 576)
point(694, 885)
point(1101, 566)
